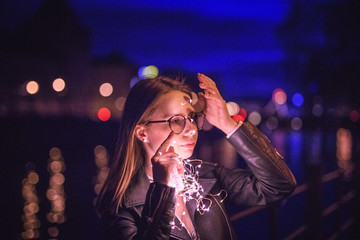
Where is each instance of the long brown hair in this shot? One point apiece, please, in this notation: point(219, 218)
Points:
point(130, 155)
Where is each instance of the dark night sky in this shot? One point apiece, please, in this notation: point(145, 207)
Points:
point(242, 44)
point(229, 40)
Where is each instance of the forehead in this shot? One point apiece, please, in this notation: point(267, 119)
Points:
point(174, 102)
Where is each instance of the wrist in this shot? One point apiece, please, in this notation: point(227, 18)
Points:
point(228, 126)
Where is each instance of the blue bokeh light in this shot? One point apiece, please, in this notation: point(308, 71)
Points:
point(298, 99)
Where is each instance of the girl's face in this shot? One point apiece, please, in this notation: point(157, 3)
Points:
point(172, 103)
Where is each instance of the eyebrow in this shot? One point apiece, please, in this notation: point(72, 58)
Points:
point(167, 116)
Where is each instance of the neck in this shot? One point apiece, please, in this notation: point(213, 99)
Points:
point(148, 168)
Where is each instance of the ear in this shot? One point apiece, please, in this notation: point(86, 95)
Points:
point(140, 132)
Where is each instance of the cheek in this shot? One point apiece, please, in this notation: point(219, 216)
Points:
point(156, 136)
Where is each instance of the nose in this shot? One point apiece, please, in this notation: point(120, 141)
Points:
point(190, 127)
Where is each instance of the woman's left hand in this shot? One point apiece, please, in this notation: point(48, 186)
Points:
point(214, 106)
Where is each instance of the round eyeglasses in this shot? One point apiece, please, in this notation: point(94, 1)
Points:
point(177, 122)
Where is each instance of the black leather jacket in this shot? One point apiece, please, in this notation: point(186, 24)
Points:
point(148, 209)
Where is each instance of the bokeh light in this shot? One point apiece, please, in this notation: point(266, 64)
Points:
point(255, 118)
point(31, 206)
point(106, 89)
point(298, 99)
point(104, 114)
point(58, 84)
point(354, 116)
point(53, 231)
point(32, 87)
point(317, 110)
point(33, 177)
point(55, 193)
point(296, 123)
point(148, 72)
point(344, 150)
point(242, 113)
point(55, 153)
point(279, 96)
point(272, 123)
point(233, 108)
point(134, 81)
point(102, 163)
point(120, 103)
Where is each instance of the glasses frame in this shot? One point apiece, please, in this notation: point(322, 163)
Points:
point(192, 120)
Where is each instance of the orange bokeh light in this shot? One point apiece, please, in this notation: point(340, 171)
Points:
point(279, 96)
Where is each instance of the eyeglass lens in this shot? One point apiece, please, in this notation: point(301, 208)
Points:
point(177, 123)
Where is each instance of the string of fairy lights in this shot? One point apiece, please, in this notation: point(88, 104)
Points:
point(191, 190)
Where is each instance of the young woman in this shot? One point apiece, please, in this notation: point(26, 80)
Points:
point(154, 192)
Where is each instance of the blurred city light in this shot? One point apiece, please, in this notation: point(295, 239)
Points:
point(31, 206)
point(296, 123)
point(120, 103)
point(354, 116)
point(53, 231)
point(102, 163)
point(298, 99)
point(233, 108)
point(32, 87)
point(148, 72)
point(55, 192)
point(255, 118)
point(242, 113)
point(344, 149)
point(272, 123)
point(134, 81)
point(104, 114)
point(58, 84)
point(106, 89)
point(279, 96)
point(317, 110)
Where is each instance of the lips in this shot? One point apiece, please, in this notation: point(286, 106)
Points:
point(188, 145)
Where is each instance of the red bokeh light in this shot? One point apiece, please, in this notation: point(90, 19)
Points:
point(104, 114)
point(354, 116)
point(241, 116)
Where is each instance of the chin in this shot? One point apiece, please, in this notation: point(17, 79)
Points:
point(186, 154)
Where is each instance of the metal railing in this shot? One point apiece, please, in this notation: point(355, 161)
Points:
point(341, 200)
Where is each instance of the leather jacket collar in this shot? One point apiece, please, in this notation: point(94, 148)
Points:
point(136, 193)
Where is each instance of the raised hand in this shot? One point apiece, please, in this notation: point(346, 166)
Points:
point(214, 105)
point(165, 162)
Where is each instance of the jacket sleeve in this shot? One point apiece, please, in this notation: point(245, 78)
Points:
point(269, 178)
point(155, 220)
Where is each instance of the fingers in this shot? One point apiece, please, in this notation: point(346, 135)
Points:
point(164, 146)
point(209, 86)
point(208, 90)
point(205, 79)
point(165, 151)
point(202, 100)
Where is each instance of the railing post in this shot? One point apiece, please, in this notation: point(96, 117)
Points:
point(274, 221)
point(356, 181)
point(313, 200)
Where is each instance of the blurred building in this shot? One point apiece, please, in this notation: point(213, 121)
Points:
point(53, 45)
